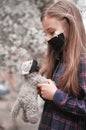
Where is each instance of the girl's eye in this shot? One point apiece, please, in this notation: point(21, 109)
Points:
point(51, 33)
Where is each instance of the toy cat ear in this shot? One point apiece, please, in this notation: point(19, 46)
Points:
point(34, 67)
point(35, 62)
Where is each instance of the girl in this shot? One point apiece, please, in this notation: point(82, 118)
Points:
point(65, 96)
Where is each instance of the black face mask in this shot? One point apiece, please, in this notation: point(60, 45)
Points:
point(57, 42)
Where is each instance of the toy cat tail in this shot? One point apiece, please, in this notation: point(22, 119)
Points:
point(15, 110)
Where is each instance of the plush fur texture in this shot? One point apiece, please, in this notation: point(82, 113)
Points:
point(28, 95)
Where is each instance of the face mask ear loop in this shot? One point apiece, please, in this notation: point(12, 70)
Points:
point(57, 32)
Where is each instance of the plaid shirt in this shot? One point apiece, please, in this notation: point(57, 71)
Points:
point(65, 112)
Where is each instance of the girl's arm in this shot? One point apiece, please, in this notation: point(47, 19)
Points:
point(70, 103)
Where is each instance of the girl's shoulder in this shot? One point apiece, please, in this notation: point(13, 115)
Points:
point(82, 63)
point(83, 57)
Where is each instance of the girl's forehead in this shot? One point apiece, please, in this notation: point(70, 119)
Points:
point(51, 22)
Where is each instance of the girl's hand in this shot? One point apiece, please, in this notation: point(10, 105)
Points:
point(47, 90)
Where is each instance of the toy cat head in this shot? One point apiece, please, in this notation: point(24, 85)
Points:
point(29, 66)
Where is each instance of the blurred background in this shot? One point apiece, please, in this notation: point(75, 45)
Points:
point(21, 38)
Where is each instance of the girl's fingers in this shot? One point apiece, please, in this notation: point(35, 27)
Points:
point(50, 81)
point(39, 85)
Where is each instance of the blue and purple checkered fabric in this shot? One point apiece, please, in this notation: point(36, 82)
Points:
point(65, 112)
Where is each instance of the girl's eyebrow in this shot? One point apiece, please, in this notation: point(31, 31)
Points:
point(49, 29)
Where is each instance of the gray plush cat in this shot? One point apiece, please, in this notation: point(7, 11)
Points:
point(28, 95)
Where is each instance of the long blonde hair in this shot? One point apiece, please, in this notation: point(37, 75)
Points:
point(76, 44)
